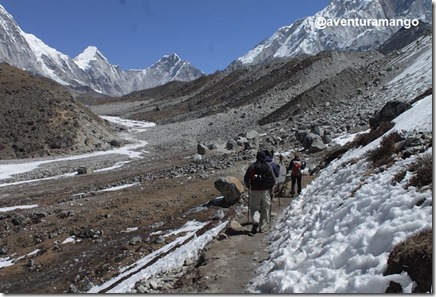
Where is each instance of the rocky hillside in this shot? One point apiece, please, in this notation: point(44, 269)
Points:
point(331, 93)
point(39, 117)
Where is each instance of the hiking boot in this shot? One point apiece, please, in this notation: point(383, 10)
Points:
point(263, 228)
point(254, 229)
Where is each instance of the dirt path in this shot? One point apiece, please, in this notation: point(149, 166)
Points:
point(229, 264)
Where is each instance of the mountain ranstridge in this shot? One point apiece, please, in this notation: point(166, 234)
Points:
point(303, 37)
point(90, 70)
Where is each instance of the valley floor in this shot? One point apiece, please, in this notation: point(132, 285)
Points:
point(78, 230)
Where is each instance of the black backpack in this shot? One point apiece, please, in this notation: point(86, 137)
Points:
point(260, 176)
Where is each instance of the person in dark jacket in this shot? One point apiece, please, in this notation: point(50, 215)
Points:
point(259, 200)
point(274, 166)
point(295, 167)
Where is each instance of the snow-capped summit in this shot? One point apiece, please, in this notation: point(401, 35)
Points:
point(90, 69)
point(91, 53)
point(173, 66)
point(171, 57)
point(27, 52)
point(305, 37)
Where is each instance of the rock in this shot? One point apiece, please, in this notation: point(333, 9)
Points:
point(84, 170)
point(301, 134)
point(389, 112)
point(251, 134)
point(327, 137)
point(65, 214)
point(116, 143)
point(197, 158)
point(135, 240)
point(241, 140)
point(141, 288)
point(153, 285)
point(201, 149)
point(18, 220)
point(36, 217)
point(231, 188)
point(231, 144)
point(253, 139)
point(317, 130)
point(211, 145)
point(31, 263)
point(86, 232)
point(219, 215)
point(317, 146)
point(307, 141)
point(235, 228)
point(157, 225)
point(3, 251)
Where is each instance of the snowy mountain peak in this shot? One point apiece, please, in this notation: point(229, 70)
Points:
point(173, 57)
point(173, 66)
point(90, 69)
point(4, 13)
point(168, 60)
point(304, 37)
point(84, 59)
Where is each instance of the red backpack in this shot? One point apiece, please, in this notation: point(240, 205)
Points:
point(296, 167)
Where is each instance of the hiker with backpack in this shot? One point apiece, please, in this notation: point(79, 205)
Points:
point(269, 161)
point(260, 179)
point(295, 167)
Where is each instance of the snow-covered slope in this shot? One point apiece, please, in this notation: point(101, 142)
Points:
point(303, 36)
point(90, 69)
point(336, 237)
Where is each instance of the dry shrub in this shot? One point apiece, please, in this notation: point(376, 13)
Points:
point(413, 255)
point(364, 139)
point(397, 178)
point(423, 169)
point(382, 154)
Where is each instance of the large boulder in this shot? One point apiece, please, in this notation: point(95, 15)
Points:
point(390, 111)
point(231, 188)
point(308, 139)
point(253, 139)
point(317, 130)
point(317, 145)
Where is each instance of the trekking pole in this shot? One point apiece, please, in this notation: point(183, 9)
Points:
point(270, 207)
point(248, 204)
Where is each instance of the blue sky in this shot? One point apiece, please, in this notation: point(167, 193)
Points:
point(136, 33)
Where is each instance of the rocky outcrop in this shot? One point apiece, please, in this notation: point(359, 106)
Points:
point(390, 111)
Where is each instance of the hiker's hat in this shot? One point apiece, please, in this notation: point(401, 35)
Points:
point(260, 156)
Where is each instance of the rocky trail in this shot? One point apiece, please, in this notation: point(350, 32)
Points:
point(229, 263)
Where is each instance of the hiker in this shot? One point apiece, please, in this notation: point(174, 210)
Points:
point(295, 167)
point(274, 166)
point(281, 158)
point(260, 179)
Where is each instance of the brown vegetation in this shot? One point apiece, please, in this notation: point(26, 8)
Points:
point(414, 256)
point(382, 155)
point(423, 169)
point(373, 134)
